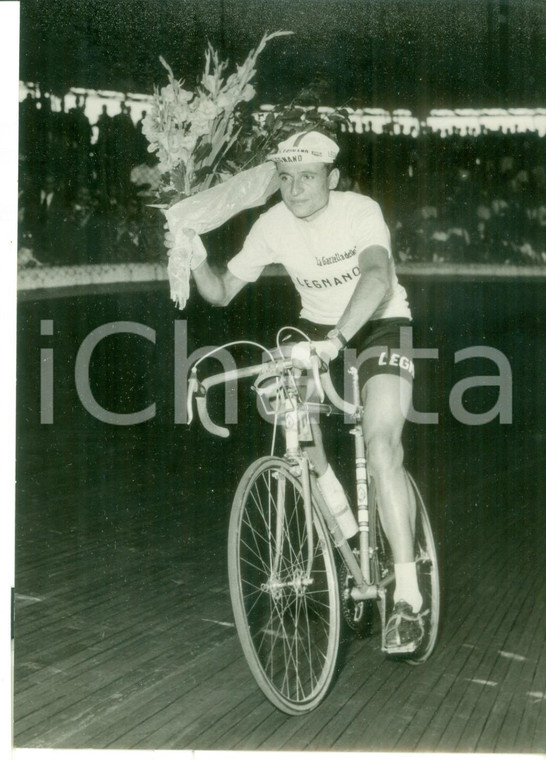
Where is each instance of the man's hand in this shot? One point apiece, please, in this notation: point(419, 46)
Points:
point(326, 350)
point(188, 241)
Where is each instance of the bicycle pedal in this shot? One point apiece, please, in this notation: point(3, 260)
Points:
point(406, 649)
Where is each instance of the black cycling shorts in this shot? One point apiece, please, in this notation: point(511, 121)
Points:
point(375, 349)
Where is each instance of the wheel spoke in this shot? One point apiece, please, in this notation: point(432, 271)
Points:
point(288, 621)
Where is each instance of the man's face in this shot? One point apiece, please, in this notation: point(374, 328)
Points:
point(305, 187)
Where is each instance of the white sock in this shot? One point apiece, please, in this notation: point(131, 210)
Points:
point(407, 588)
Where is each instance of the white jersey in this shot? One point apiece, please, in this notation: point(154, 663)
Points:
point(321, 255)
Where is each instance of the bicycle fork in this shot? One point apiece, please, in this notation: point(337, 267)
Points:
point(301, 466)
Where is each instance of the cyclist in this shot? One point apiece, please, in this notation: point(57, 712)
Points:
point(336, 248)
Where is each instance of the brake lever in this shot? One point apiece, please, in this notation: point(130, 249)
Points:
point(193, 387)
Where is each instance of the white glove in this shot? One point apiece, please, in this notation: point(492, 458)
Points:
point(326, 350)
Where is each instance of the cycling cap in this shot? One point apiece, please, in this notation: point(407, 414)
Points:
point(306, 148)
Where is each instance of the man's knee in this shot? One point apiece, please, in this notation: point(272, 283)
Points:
point(385, 454)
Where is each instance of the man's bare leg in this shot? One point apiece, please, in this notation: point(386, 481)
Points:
point(386, 400)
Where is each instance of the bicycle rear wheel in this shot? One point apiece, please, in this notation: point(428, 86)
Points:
point(428, 574)
point(288, 620)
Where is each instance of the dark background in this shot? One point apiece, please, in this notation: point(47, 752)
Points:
point(416, 54)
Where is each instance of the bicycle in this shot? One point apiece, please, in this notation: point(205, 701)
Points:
point(287, 596)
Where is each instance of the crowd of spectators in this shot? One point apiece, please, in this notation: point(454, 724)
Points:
point(468, 196)
point(472, 196)
point(85, 201)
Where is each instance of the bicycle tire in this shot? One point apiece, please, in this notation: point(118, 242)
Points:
point(289, 631)
point(428, 573)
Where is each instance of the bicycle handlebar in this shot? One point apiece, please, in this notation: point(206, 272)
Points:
point(273, 368)
point(200, 391)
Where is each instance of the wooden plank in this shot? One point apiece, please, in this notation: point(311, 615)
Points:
point(128, 688)
point(145, 699)
point(100, 651)
point(156, 715)
point(146, 621)
point(475, 708)
point(231, 687)
point(536, 707)
point(519, 687)
point(96, 611)
point(462, 630)
point(361, 666)
point(455, 655)
point(280, 734)
point(92, 641)
point(252, 707)
point(452, 715)
point(513, 672)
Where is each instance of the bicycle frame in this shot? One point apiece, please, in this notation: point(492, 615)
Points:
point(365, 587)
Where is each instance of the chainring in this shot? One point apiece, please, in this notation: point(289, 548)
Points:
point(358, 616)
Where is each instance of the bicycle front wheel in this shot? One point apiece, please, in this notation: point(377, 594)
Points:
point(283, 588)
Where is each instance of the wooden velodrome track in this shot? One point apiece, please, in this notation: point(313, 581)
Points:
point(124, 634)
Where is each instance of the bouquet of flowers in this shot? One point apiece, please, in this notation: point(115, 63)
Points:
point(198, 137)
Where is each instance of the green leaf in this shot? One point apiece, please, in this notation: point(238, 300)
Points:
point(166, 65)
point(202, 150)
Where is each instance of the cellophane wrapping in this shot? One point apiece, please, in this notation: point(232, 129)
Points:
point(208, 210)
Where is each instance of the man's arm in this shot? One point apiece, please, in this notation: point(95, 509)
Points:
point(373, 284)
point(218, 288)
